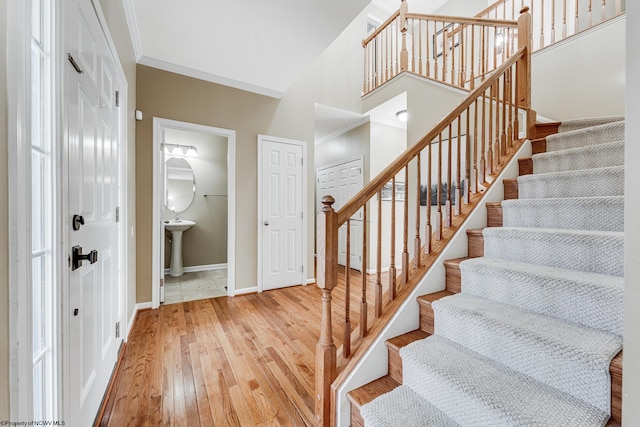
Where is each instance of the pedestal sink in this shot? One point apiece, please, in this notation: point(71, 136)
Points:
point(177, 227)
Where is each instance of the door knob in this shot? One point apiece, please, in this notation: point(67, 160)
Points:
point(77, 257)
point(77, 221)
point(266, 223)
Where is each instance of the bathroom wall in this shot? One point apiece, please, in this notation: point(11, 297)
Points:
point(206, 242)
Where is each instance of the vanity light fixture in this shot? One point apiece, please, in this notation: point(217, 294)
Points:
point(180, 150)
point(402, 116)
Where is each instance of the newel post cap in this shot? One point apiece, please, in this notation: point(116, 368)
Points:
point(525, 9)
point(328, 201)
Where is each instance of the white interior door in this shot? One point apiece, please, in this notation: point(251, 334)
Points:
point(343, 181)
point(282, 209)
point(92, 132)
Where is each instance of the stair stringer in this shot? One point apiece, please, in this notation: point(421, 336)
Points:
point(374, 363)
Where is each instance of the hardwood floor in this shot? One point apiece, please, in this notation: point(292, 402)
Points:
point(242, 361)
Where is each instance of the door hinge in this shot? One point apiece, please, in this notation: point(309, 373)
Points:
point(117, 329)
point(117, 213)
point(302, 215)
point(161, 283)
point(117, 98)
point(302, 160)
point(302, 269)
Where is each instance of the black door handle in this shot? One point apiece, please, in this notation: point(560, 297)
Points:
point(77, 257)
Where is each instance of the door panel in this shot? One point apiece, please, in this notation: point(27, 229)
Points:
point(282, 208)
point(91, 130)
point(343, 181)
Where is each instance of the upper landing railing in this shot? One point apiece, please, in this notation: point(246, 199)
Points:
point(461, 51)
point(556, 20)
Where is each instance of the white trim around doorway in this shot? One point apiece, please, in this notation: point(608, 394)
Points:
point(158, 125)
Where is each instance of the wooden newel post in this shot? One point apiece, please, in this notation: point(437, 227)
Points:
point(523, 68)
point(404, 54)
point(327, 248)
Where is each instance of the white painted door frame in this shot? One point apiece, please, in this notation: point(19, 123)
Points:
point(260, 224)
point(19, 210)
point(157, 265)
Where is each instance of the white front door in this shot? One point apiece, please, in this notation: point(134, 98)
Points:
point(343, 181)
point(92, 133)
point(282, 213)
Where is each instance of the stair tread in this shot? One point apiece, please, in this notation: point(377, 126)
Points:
point(604, 181)
point(579, 158)
point(396, 343)
point(408, 410)
point(429, 298)
point(597, 299)
point(551, 272)
point(475, 390)
point(454, 262)
point(564, 248)
point(558, 353)
point(604, 213)
point(475, 231)
point(548, 175)
point(366, 393)
point(592, 135)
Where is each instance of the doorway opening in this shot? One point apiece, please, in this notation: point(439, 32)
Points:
point(193, 241)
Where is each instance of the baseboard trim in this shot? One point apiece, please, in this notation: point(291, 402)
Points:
point(245, 291)
point(138, 307)
point(206, 267)
point(107, 402)
point(311, 281)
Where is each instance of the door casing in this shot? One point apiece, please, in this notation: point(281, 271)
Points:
point(157, 264)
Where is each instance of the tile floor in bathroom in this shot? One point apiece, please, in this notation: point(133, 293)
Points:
point(195, 286)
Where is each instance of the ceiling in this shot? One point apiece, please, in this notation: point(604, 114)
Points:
point(256, 45)
point(331, 122)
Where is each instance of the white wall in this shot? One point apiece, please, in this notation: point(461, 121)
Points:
point(596, 84)
point(631, 368)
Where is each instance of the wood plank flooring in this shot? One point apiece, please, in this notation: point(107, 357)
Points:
point(242, 361)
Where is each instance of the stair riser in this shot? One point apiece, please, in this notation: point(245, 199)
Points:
point(475, 243)
point(558, 250)
point(525, 166)
point(592, 305)
point(545, 129)
point(538, 146)
point(583, 214)
point(494, 215)
point(356, 418)
point(510, 189)
point(453, 278)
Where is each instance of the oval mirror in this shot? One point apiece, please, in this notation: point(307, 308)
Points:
point(180, 184)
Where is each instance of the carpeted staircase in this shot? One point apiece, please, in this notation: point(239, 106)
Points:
point(530, 323)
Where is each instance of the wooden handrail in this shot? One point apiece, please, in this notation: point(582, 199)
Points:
point(473, 156)
point(382, 26)
point(465, 20)
point(370, 190)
